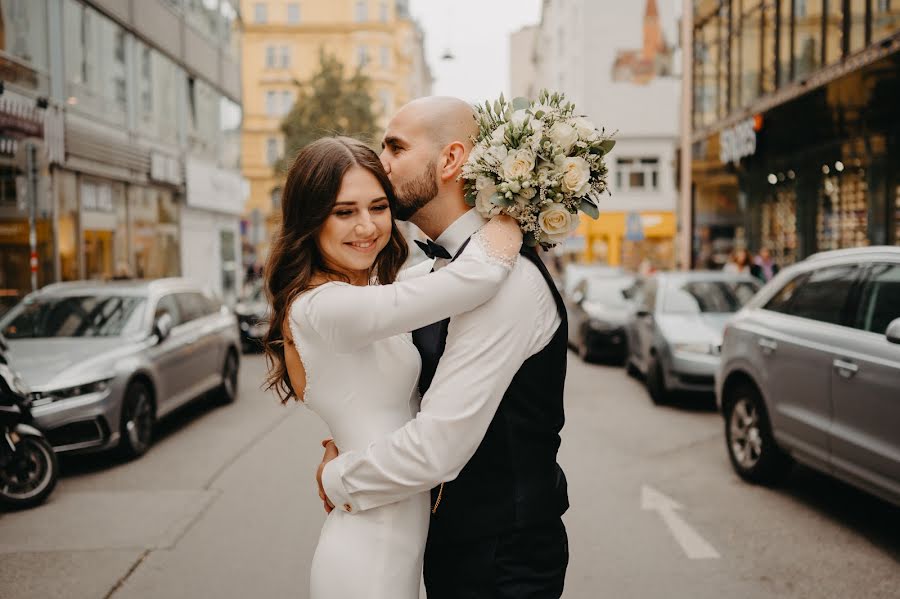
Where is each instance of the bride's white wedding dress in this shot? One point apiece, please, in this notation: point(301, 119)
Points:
point(362, 370)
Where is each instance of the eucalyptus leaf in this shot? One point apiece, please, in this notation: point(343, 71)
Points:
point(607, 145)
point(520, 103)
point(589, 208)
point(470, 200)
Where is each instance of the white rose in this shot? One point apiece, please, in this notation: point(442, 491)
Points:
point(518, 119)
point(576, 176)
point(556, 222)
point(497, 154)
point(585, 128)
point(483, 201)
point(519, 163)
point(564, 136)
point(482, 181)
point(498, 135)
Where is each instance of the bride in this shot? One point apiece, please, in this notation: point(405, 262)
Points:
point(340, 343)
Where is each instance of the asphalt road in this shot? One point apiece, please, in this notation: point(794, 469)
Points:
point(224, 505)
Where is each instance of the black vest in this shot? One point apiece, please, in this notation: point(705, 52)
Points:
point(513, 480)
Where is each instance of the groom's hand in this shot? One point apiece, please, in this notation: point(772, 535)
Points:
point(331, 452)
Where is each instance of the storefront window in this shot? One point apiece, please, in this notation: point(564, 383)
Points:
point(779, 223)
point(23, 43)
point(885, 18)
point(67, 226)
point(842, 221)
point(153, 221)
point(105, 230)
point(230, 117)
point(807, 36)
point(158, 82)
point(857, 26)
point(834, 32)
point(95, 62)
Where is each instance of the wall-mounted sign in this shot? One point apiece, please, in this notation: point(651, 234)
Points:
point(739, 141)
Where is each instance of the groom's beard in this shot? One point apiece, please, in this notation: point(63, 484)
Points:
point(416, 193)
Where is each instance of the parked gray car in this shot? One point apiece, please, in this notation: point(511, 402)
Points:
point(104, 361)
point(811, 371)
point(675, 334)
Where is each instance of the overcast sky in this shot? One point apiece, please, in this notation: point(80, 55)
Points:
point(477, 33)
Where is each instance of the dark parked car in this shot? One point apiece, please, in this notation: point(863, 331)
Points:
point(597, 315)
point(104, 361)
point(811, 371)
point(252, 311)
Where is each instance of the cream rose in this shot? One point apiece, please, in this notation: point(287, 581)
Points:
point(483, 201)
point(525, 195)
point(585, 129)
point(556, 222)
point(519, 163)
point(576, 176)
point(564, 136)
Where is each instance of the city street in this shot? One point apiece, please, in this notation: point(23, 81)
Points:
point(224, 505)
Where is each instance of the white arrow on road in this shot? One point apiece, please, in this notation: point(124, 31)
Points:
point(692, 543)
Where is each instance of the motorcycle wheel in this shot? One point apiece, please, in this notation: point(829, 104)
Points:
point(30, 475)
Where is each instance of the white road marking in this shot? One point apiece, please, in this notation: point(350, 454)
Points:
point(694, 546)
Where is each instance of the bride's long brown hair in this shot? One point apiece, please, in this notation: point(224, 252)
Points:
point(311, 189)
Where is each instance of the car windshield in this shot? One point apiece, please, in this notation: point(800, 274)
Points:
point(692, 297)
point(608, 291)
point(74, 316)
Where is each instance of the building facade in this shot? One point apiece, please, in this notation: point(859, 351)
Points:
point(282, 42)
point(795, 132)
point(615, 61)
point(138, 116)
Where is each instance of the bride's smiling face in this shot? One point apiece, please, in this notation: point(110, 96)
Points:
point(358, 228)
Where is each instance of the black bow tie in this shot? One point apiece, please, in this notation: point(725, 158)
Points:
point(433, 250)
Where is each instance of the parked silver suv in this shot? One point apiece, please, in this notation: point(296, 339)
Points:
point(810, 370)
point(105, 360)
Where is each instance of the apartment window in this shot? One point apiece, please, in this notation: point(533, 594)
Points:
point(383, 12)
point(385, 57)
point(270, 57)
point(287, 102)
point(362, 55)
point(271, 100)
point(362, 11)
point(260, 12)
point(293, 13)
point(637, 174)
point(285, 57)
point(271, 151)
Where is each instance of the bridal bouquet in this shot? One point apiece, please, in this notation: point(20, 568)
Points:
point(539, 163)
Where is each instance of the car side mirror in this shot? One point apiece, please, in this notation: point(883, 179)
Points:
point(893, 331)
point(162, 327)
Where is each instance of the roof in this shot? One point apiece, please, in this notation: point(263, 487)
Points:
point(119, 287)
point(882, 251)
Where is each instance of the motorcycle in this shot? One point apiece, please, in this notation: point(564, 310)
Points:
point(28, 466)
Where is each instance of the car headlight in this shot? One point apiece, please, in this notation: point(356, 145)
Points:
point(704, 349)
point(46, 397)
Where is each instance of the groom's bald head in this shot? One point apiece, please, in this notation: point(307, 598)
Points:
point(424, 148)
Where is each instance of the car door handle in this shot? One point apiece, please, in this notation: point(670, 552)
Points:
point(845, 369)
point(768, 346)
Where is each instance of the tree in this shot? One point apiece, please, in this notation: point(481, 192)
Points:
point(328, 104)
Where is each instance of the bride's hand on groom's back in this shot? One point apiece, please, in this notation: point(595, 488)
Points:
point(503, 236)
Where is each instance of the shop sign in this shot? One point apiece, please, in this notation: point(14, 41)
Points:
point(738, 142)
point(215, 189)
point(634, 227)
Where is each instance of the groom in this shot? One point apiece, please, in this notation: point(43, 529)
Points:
point(492, 386)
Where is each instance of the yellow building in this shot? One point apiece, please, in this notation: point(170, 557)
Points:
point(281, 44)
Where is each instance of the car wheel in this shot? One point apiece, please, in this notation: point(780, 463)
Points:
point(630, 369)
point(751, 446)
point(138, 420)
point(656, 381)
point(228, 389)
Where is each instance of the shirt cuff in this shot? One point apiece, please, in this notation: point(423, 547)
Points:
point(334, 487)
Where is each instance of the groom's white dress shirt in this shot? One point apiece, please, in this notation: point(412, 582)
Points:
point(485, 348)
